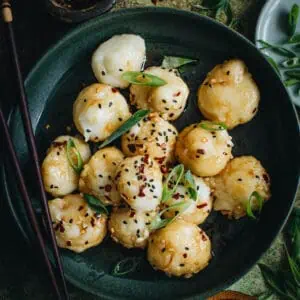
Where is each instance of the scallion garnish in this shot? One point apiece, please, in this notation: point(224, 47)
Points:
point(212, 126)
point(134, 119)
point(273, 63)
point(125, 266)
point(291, 63)
point(142, 78)
point(293, 74)
point(291, 82)
point(71, 151)
point(260, 201)
point(174, 62)
point(295, 39)
point(280, 50)
point(190, 185)
point(96, 204)
point(158, 222)
point(169, 188)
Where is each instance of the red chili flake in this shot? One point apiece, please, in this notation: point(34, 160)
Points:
point(254, 110)
point(154, 1)
point(202, 205)
point(141, 191)
point(201, 151)
point(146, 159)
point(69, 243)
point(132, 96)
point(61, 228)
point(164, 169)
point(80, 208)
point(160, 160)
point(176, 196)
point(114, 90)
point(204, 238)
point(266, 178)
point(184, 255)
point(108, 188)
point(177, 94)
point(118, 175)
point(142, 168)
point(132, 214)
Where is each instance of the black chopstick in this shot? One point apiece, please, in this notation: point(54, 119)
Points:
point(27, 203)
point(8, 19)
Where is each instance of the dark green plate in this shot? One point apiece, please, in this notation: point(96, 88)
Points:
point(273, 137)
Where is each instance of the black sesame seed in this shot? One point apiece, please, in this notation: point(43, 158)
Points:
point(124, 222)
point(100, 175)
point(164, 101)
point(135, 221)
point(163, 250)
point(240, 179)
point(181, 265)
point(187, 248)
point(128, 183)
point(166, 108)
point(109, 104)
point(88, 130)
point(228, 72)
point(257, 176)
point(121, 70)
point(103, 73)
point(57, 153)
point(120, 119)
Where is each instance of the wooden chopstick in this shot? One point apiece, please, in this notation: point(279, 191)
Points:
point(27, 203)
point(8, 19)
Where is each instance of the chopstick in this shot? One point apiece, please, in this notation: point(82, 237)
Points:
point(8, 19)
point(27, 203)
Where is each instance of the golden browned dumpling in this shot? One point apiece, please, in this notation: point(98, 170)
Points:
point(229, 94)
point(98, 111)
point(59, 177)
point(139, 181)
point(169, 100)
point(154, 136)
point(202, 151)
point(234, 185)
point(97, 177)
point(180, 249)
point(129, 227)
point(198, 210)
point(77, 227)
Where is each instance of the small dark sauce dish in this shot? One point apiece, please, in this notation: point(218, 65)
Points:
point(74, 11)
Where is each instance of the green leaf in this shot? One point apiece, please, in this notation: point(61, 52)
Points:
point(191, 185)
point(291, 63)
point(278, 49)
point(134, 119)
point(260, 202)
point(173, 62)
point(291, 82)
point(212, 126)
point(126, 266)
point(272, 279)
point(71, 150)
point(95, 204)
point(293, 74)
point(273, 63)
point(142, 78)
point(158, 222)
point(295, 269)
point(292, 20)
point(294, 39)
point(168, 192)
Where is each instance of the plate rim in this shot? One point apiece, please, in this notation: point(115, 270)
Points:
point(116, 14)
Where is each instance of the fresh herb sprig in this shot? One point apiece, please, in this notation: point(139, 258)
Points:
point(134, 119)
point(259, 201)
point(286, 283)
point(175, 62)
point(74, 156)
point(292, 21)
point(212, 126)
point(142, 78)
point(191, 185)
point(96, 204)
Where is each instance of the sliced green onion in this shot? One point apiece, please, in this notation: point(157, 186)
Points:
point(291, 63)
point(96, 204)
point(291, 82)
point(280, 50)
point(126, 266)
point(176, 172)
point(260, 203)
point(141, 78)
point(273, 63)
point(71, 150)
point(295, 39)
point(134, 119)
point(294, 267)
point(174, 62)
point(293, 74)
point(158, 222)
point(191, 185)
point(293, 19)
point(212, 126)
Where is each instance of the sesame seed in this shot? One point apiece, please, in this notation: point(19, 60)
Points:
point(181, 265)
point(69, 243)
point(71, 221)
point(166, 108)
point(80, 208)
point(86, 242)
point(164, 101)
point(163, 250)
point(57, 153)
point(121, 70)
point(84, 100)
point(184, 255)
point(128, 183)
point(124, 222)
point(228, 72)
point(88, 130)
point(120, 119)
point(240, 179)
point(110, 104)
point(103, 73)
point(187, 248)
point(100, 175)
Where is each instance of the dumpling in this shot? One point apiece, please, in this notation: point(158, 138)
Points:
point(198, 210)
point(59, 177)
point(234, 185)
point(119, 54)
point(229, 94)
point(139, 181)
point(154, 136)
point(204, 152)
point(179, 249)
point(129, 227)
point(97, 177)
point(168, 100)
point(77, 227)
point(98, 111)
